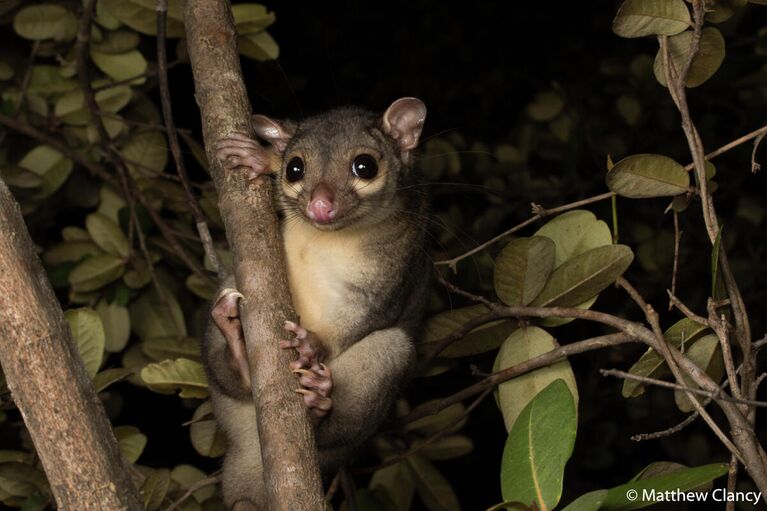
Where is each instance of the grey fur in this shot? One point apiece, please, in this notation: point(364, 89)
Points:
point(369, 333)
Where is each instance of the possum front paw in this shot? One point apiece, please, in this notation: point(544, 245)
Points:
point(316, 386)
point(240, 151)
point(311, 351)
point(315, 377)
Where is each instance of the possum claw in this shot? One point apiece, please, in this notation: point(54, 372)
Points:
point(317, 404)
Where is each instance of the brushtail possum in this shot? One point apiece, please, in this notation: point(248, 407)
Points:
point(353, 220)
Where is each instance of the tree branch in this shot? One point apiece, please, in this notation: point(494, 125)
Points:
point(287, 445)
point(49, 384)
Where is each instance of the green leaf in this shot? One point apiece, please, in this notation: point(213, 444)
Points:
point(447, 447)
point(207, 438)
point(260, 46)
point(538, 447)
point(88, 334)
point(96, 272)
point(521, 269)
point(70, 252)
point(514, 395)
point(546, 106)
point(574, 233)
point(181, 374)
point(116, 321)
point(47, 80)
point(591, 501)
point(480, 340)
point(706, 62)
point(187, 476)
point(107, 234)
point(639, 18)
point(396, 483)
point(70, 107)
point(121, 66)
point(110, 202)
point(140, 15)
point(22, 480)
point(146, 153)
point(161, 348)
point(251, 18)
point(45, 21)
point(200, 286)
point(584, 276)
point(117, 41)
point(132, 442)
point(18, 177)
point(451, 419)
point(155, 488)
point(652, 365)
point(152, 316)
point(109, 376)
point(648, 175)
point(683, 480)
point(435, 491)
point(50, 165)
point(706, 353)
point(74, 233)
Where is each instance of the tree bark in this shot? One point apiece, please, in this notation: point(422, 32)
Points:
point(287, 441)
point(47, 379)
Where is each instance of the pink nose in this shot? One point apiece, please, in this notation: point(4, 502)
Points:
point(321, 207)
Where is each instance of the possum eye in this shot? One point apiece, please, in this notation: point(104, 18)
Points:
point(364, 166)
point(295, 170)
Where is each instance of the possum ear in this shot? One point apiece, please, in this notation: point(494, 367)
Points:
point(403, 121)
point(277, 133)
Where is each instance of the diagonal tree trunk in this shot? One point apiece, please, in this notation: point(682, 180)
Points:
point(287, 442)
point(47, 379)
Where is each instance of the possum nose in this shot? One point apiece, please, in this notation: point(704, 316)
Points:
point(322, 208)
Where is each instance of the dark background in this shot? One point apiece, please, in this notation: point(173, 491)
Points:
point(477, 66)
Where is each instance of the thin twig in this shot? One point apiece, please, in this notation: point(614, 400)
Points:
point(676, 386)
point(202, 483)
point(525, 367)
point(675, 268)
point(721, 329)
point(431, 439)
point(539, 213)
point(676, 86)
point(754, 165)
point(175, 148)
point(732, 482)
point(686, 310)
point(333, 488)
point(757, 134)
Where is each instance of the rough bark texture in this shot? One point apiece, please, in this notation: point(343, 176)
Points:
point(47, 379)
point(287, 442)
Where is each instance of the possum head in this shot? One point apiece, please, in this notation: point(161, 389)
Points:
point(346, 167)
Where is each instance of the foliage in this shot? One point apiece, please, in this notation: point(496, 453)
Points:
point(133, 280)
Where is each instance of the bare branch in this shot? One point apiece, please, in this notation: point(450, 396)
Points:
point(539, 213)
point(175, 148)
point(525, 367)
point(716, 396)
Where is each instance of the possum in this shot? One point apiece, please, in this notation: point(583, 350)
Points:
point(353, 222)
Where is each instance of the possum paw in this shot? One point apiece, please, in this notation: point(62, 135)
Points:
point(240, 151)
point(311, 351)
point(316, 387)
point(226, 316)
